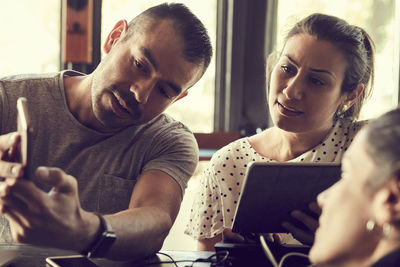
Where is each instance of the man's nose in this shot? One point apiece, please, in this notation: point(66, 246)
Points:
point(142, 90)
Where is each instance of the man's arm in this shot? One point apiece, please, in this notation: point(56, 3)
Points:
point(142, 228)
point(56, 219)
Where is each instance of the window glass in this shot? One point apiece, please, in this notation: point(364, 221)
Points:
point(30, 36)
point(378, 18)
point(196, 110)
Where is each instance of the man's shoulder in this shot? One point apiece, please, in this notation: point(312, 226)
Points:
point(29, 76)
point(165, 131)
point(31, 81)
point(29, 86)
point(166, 123)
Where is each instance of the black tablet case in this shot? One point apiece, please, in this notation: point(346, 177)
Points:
point(272, 190)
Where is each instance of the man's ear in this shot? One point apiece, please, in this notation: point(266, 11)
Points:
point(395, 188)
point(116, 33)
point(352, 97)
point(181, 96)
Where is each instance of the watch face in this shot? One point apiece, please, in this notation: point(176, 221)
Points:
point(104, 240)
point(109, 235)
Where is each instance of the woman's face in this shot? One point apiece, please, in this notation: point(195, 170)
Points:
point(346, 208)
point(305, 87)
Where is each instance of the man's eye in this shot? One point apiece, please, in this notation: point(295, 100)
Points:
point(140, 66)
point(163, 92)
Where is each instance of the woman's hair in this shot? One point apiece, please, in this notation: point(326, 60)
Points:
point(382, 146)
point(355, 44)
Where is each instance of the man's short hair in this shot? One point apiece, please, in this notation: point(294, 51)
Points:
point(196, 42)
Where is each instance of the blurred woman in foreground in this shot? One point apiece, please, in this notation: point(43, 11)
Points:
point(360, 220)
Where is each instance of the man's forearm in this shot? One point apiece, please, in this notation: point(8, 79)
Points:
point(140, 232)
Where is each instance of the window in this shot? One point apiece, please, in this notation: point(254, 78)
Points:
point(197, 109)
point(378, 18)
point(30, 36)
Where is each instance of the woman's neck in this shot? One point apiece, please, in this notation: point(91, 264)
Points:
point(382, 249)
point(281, 145)
point(385, 247)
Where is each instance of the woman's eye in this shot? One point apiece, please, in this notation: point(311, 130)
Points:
point(288, 69)
point(316, 81)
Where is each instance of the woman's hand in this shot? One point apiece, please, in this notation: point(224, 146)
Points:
point(229, 236)
point(304, 226)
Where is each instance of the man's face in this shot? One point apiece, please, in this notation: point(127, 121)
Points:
point(141, 76)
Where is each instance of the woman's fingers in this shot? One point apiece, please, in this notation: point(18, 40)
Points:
point(310, 222)
point(230, 236)
point(304, 237)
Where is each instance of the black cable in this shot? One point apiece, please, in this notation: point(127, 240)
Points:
point(168, 256)
point(161, 262)
point(214, 262)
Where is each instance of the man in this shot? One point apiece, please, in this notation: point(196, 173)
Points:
point(108, 147)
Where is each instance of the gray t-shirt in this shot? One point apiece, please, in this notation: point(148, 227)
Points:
point(106, 166)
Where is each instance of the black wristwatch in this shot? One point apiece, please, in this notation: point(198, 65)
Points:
point(103, 241)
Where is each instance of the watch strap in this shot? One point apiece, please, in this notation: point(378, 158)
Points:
point(103, 241)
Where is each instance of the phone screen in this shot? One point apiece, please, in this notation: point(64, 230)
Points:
point(70, 261)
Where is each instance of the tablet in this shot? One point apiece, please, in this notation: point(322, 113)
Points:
point(272, 190)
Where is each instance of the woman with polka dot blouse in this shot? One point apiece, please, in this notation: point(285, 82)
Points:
point(316, 87)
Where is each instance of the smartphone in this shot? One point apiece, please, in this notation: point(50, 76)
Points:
point(25, 130)
point(70, 261)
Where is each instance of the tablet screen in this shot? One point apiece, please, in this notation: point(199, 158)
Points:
point(272, 190)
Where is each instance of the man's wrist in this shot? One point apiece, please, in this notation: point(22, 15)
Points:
point(102, 241)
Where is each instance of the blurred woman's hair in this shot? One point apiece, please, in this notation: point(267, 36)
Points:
point(382, 146)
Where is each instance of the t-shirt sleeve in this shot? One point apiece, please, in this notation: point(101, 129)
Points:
point(174, 152)
point(4, 109)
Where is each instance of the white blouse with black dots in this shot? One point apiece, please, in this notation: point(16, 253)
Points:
point(216, 199)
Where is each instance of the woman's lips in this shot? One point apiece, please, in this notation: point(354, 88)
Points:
point(287, 111)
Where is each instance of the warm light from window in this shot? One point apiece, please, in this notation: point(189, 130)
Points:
point(30, 36)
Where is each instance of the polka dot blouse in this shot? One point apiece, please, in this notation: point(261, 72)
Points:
point(217, 197)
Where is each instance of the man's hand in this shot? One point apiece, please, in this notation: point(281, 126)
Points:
point(309, 224)
point(9, 155)
point(48, 219)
